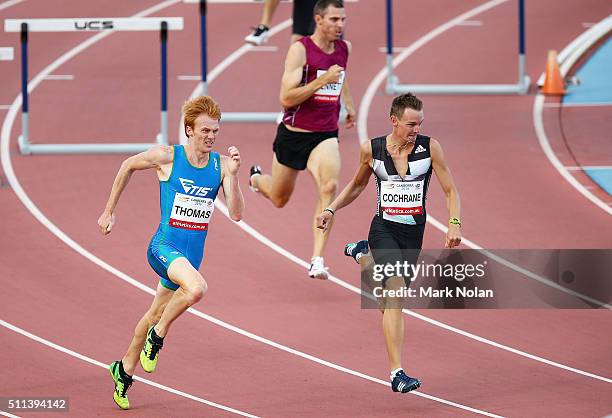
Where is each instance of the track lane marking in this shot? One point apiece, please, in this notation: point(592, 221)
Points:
point(148, 382)
point(10, 3)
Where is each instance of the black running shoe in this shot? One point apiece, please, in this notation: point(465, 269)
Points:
point(404, 383)
point(255, 171)
point(354, 248)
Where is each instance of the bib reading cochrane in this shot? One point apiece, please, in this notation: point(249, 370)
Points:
point(331, 91)
point(191, 212)
point(401, 198)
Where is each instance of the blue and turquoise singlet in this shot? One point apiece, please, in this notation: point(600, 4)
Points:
point(187, 202)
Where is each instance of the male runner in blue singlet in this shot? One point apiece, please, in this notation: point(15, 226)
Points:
point(189, 179)
point(402, 162)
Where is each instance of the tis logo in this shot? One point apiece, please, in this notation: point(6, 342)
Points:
point(191, 189)
point(94, 25)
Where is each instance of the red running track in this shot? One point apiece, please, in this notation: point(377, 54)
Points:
point(55, 293)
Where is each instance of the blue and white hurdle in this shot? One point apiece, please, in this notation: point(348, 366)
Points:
point(521, 87)
point(24, 26)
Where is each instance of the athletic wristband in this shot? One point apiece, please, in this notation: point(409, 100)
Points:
point(454, 221)
point(330, 210)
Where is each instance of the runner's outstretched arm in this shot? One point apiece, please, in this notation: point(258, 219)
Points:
point(154, 157)
point(453, 202)
point(353, 189)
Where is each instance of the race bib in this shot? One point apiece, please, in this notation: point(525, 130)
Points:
point(191, 212)
point(401, 198)
point(331, 91)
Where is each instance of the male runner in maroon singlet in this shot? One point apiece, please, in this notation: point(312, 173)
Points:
point(313, 84)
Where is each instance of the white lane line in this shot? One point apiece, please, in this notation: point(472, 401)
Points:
point(7, 165)
point(59, 77)
point(362, 126)
point(470, 23)
point(264, 49)
point(89, 360)
point(10, 3)
point(35, 211)
point(538, 122)
point(6, 414)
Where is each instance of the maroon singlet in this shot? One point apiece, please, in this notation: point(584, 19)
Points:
point(319, 113)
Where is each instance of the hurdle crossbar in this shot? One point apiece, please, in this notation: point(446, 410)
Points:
point(6, 54)
point(24, 26)
point(394, 87)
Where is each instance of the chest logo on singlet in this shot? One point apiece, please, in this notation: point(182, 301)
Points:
point(192, 189)
point(420, 148)
point(331, 91)
point(401, 198)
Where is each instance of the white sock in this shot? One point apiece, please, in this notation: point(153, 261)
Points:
point(394, 372)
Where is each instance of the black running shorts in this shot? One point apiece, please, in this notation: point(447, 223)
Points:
point(391, 242)
point(293, 148)
point(303, 18)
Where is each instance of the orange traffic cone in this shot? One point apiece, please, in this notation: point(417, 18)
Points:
point(553, 82)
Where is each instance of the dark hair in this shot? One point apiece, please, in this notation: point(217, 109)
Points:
point(400, 103)
point(322, 5)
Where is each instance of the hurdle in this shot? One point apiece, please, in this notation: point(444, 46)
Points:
point(394, 87)
point(227, 116)
point(24, 26)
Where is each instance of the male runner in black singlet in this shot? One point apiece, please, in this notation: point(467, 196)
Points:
point(402, 162)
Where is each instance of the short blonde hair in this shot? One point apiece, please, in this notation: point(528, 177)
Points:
point(200, 105)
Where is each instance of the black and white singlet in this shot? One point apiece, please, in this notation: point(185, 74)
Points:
point(402, 199)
